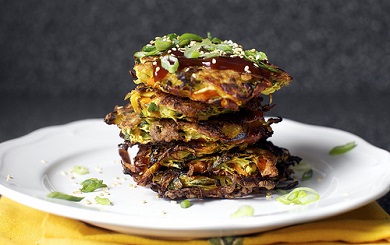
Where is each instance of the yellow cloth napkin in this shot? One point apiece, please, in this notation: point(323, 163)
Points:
point(20, 224)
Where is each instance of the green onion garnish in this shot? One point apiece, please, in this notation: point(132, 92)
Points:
point(63, 196)
point(302, 166)
point(243, 211)
point(102, 200)
point(307, 175)
point(163, 44)
point(90, 185)
point(80, 170)
point(185, 203)
point(191, 37)
point(341, 149)
point(170, 63)
point(300, 195)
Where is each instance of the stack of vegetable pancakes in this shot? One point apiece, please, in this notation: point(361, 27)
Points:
point(197, 117)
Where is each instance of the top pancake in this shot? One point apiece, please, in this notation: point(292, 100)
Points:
point(220, 73)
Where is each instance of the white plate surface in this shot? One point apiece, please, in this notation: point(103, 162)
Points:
point(40, 162)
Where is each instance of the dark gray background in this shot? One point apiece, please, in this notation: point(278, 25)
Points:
point(62, 61)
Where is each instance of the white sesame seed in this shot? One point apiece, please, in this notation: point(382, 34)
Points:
point(213, 61)
point(154, 63)
point(157, 68)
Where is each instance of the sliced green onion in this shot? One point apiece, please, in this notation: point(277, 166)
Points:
point(184, 42)
point(193, 51)
point(80, 170)
point(341, 149)
point(216, 40)
point(253, 55)
point(102, 200)
point(224, 47)
point(63, 196)
point(92, 184)
point(213, 39)
point(192, 55)
point(172, 36)
point(243, 211)
point(153, 51)
point(191, 37)
point(207, 45)
point(185, 203)
point(163, 44)
point(307, 175)
point(300, 195)
point(148, 48)
point(210, 55)
point(302, 166)
point(170, 63)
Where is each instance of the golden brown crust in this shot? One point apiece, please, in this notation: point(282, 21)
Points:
point(230, 174)
point(245, 127)
point(224, 88)
point(157, 104)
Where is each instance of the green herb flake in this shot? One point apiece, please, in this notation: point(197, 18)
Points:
point(63, 196)
point(341, 149)
point(80, 170)
point(300, 195)
point(102, 200)
point(308, 174)
point(185, 204)
point(243, 211)
point(152, 107)
point(92, 184)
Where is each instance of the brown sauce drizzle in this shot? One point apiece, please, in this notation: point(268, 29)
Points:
point(218, 63)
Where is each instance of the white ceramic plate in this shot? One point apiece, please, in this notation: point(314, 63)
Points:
point(40, 162)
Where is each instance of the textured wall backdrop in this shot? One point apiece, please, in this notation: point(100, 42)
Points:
point(85, 47)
